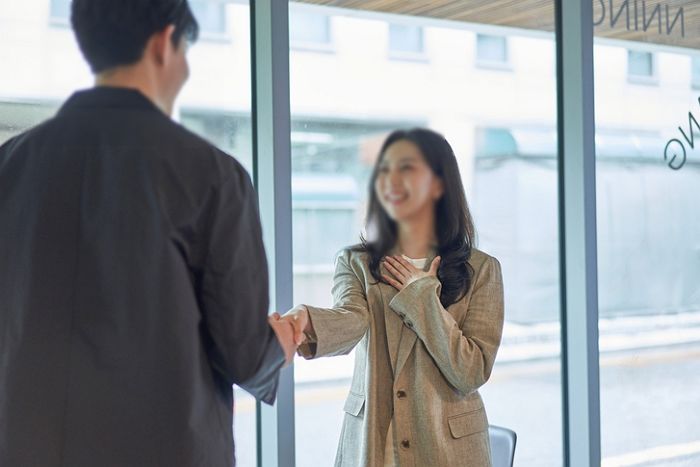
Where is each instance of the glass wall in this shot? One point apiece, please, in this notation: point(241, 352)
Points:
point(648, 167)
point(46, 67)
point(486, 79)
point(492, 92)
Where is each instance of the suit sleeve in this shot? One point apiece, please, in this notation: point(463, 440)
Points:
point(464, 354)
point(233, 292)
point(338, 329)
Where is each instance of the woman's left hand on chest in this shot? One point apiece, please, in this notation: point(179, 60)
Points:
point(400, 272)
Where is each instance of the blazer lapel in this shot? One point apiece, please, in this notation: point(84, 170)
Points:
point(400, 339)
point(392, 323)
point(408, 337)
point(408, 341)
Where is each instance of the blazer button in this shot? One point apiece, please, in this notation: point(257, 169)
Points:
point(405, 444)
point(400, 394)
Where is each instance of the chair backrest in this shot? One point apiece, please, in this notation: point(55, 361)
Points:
point(502, 446)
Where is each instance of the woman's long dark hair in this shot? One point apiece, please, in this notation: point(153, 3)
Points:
point(454, 225)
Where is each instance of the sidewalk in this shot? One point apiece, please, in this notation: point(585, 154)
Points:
point(542, 341)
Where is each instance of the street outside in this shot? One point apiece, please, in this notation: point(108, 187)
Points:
point(650, 402)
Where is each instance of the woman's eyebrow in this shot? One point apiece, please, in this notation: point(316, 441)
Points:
point(398, 160)
point(407, 159)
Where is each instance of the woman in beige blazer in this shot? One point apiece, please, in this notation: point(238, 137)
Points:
point(423, 310)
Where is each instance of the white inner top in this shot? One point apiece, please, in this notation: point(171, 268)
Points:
point(419, 263)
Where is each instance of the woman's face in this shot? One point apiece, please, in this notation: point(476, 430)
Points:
point(405, 185)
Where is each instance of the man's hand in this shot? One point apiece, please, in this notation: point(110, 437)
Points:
point(285, 335)
point(297, 319)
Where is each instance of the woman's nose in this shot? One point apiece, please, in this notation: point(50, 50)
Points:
point(393, 178)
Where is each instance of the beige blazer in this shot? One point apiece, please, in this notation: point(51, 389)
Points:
point(415, 362)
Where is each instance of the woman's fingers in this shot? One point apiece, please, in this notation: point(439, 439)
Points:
point(390, 266)
point(396, 261)
point(407, 266)
point(392, 282)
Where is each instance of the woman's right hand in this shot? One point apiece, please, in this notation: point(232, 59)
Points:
point(299, 318)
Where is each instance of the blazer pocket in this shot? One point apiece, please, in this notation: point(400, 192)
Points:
point(354, 404)
point(467, 423)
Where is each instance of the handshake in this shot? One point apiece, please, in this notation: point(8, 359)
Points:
point(291, 329)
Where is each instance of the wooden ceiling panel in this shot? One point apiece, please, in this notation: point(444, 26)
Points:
point(665, 22)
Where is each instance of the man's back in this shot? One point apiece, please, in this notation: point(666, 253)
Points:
point(132, 285)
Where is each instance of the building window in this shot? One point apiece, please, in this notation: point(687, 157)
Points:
point(492, 51)
point(309, 30)
point(695, 70)
point(211, 17)
point(641, 67)
point(406, 41)
point(60, 11)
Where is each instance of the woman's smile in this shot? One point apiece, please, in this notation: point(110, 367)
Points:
point(396, 198)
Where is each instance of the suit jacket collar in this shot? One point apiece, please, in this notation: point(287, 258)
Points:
point(105, 97)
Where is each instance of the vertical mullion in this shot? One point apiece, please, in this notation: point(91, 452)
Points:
point(272, 173)
point(577, 233)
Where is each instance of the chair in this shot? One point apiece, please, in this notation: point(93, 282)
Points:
point(502, 446)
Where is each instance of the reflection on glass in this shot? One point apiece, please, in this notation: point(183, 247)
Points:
point(503, 129)
point(648, 255)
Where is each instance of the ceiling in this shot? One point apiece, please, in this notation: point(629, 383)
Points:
point(669, 22)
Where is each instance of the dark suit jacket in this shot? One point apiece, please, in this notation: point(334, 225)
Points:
point(133, 291)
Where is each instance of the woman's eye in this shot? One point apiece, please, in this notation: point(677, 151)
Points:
point(406, 167)
point(383, 170)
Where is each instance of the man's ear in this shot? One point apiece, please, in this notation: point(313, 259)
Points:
point(160, 45)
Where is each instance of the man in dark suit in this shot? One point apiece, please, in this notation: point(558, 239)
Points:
point(133, 280)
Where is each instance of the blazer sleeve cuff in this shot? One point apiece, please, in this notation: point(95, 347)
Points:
point(410, 300)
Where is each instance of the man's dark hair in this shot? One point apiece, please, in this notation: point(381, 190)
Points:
point(112, 33)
